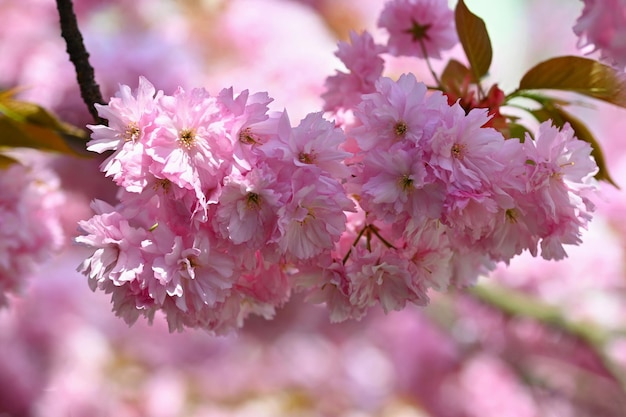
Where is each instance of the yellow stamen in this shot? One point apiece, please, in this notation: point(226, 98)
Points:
point(132, 132)
point(187, 138)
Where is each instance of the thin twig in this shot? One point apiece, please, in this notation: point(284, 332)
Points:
point(89, 89)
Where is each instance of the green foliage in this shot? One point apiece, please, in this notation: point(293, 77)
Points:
point(474, 39)
point(581, 75)
point(28, 125)
point(453, 76)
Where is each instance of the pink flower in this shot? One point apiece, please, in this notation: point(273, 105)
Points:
point(189, 147)
point(248, 206)
point(246, 123)
point(421, 28)
point(330, 286)
point(383, 277)
point(30, 223)
point(396, 186)
point(465, 152)
point(560, 175)
point(362, 59)
point(131, 118)
point(602, 26)
point(118, 264)
point(118, 256)
point(189, 270)
point(398, 111)
point(314, 218)
point(430, 253)
point(267, 285)
point(315, 144)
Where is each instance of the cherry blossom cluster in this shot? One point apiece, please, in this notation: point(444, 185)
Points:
point(443, 197)
point(602, 27)
point(225, 209)
point(30, 223)
point(218, 200)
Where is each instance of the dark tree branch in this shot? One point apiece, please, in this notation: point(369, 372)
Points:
point(89, 89)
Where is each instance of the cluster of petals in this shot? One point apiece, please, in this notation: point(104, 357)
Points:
point(218, 200)
point(225, 209)
point(421, 28)
point(362, 58)
point(602, 27)
point(30, 223)
point(443, 197)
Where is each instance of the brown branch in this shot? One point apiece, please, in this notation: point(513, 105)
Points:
point(89, 89)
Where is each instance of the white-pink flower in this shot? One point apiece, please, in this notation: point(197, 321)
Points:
point(131, 119)
point(195, 275)
point(189, 147)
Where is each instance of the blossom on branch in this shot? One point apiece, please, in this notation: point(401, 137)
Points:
point(602, 27)
point(421, 28)
point(232, 198)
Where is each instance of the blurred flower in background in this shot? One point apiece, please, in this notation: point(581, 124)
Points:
point(538, 338)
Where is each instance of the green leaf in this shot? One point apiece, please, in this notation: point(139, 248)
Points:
point(24, 124)
point(454, 75)
point(580, 75)
point(559, 117)
point(474, 39)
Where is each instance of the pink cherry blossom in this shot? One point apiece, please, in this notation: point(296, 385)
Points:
point(131, 118)
point(30, 223)
point(189, 147)
point(381, 277)
point(248, 124)
point(560, 177)
point(602, 27)
point(248, 206)
point(193, 274)
point(396, 186)
point(463, 150)
point(314, 219)
point(398, 110)
point(421, 28)
point(362, 59)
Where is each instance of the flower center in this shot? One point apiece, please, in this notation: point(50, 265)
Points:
point(418, 32)
point(458, 151)
point(163, 184)
point(253, 201)
point(246, 136)
point(306, 158)
point(400, 128)
point(132, 132)
point(406, 183)
point(187, 138)
point(511, 215)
